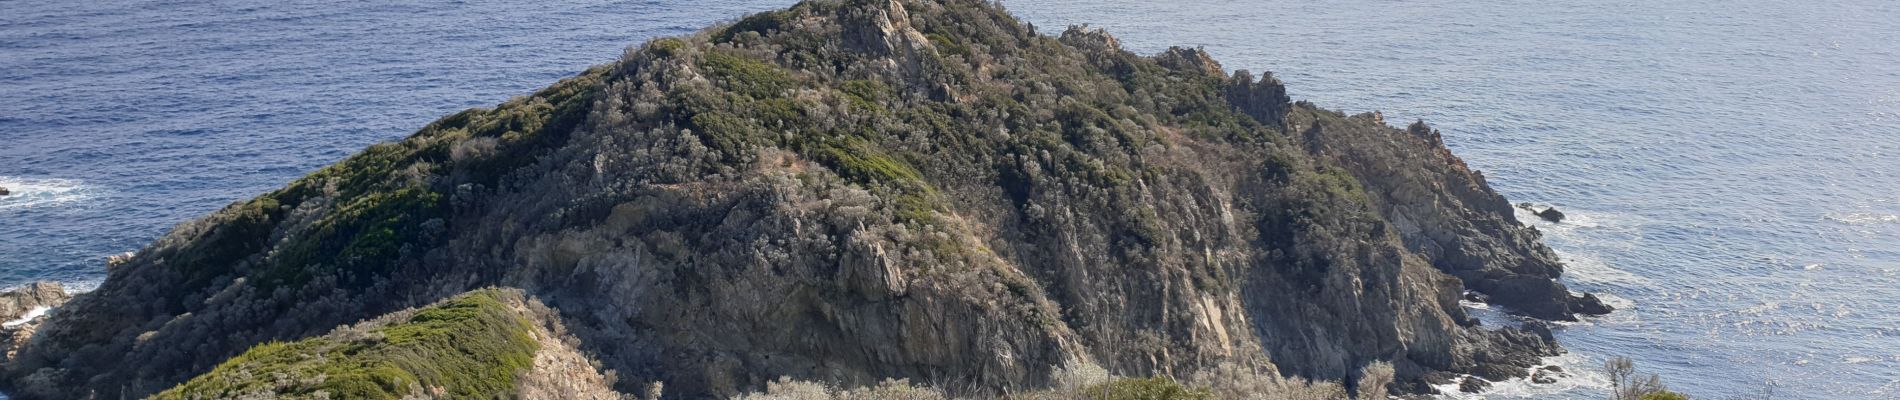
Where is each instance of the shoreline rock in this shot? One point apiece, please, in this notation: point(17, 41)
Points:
point(17, 302)
point(18, 307)
point(1547, 213)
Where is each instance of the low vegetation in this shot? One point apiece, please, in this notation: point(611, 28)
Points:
point(1087, 381)
point(471, 346)
point(1627, 384)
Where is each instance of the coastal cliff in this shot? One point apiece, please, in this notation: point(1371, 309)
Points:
point(848, 192)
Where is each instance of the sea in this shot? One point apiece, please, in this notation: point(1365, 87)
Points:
point(1730, 168)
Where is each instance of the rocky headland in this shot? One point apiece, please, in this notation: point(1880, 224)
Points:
point(844, 192)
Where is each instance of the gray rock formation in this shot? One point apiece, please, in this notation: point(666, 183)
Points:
point(1551, 214)
point(1446, 212)
point(1473, 384)
point(23, 309)
point(17, 302)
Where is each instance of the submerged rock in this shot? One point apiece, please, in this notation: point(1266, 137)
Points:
point(1547, 375)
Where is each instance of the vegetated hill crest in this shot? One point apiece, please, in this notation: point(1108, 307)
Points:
point(849, 191)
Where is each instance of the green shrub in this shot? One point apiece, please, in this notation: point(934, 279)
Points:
point(667, 47)
point(1156, 388)
point(747, 76)
point(948, 45)
point(761, 23)
point(1665, 395)
point(471, 346)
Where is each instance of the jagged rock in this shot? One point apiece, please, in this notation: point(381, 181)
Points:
point(1265, 100)
point(17, 302)
point(1541, 329)
point(1190, 59)
point(1473, 384)
point(1464, 229)
point(19, 306)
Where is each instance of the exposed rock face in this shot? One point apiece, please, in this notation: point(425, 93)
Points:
point(847, 192)
point(24, 308)
point(1473, 384)
point(1446, 213)
point(18, 302)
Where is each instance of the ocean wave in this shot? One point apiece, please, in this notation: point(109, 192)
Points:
point(1586, 269)
point(1863, 218)
point(41, 192)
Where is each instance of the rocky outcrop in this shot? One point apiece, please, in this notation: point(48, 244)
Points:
point(847, 192)
point(1547, 375)
point(17, 302)
point(1446, 212)
point(1547, 213)
point(1551, 214)
point(23, 309)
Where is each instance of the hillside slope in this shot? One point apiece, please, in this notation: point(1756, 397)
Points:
point(848, 191)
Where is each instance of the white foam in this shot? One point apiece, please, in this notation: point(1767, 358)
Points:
point(38, 192)
point(1573, 219)
point(1490, 317)
point(35, 313)
point(1578, 373)
point(1587, 269)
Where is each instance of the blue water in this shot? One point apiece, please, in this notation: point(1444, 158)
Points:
point(1732, 168)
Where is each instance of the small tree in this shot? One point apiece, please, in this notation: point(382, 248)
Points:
point(1627, 384)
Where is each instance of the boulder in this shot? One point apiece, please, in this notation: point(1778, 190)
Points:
point(1546, 376)
point(1551, 214)
point(4, 192)
point(1473, 384)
